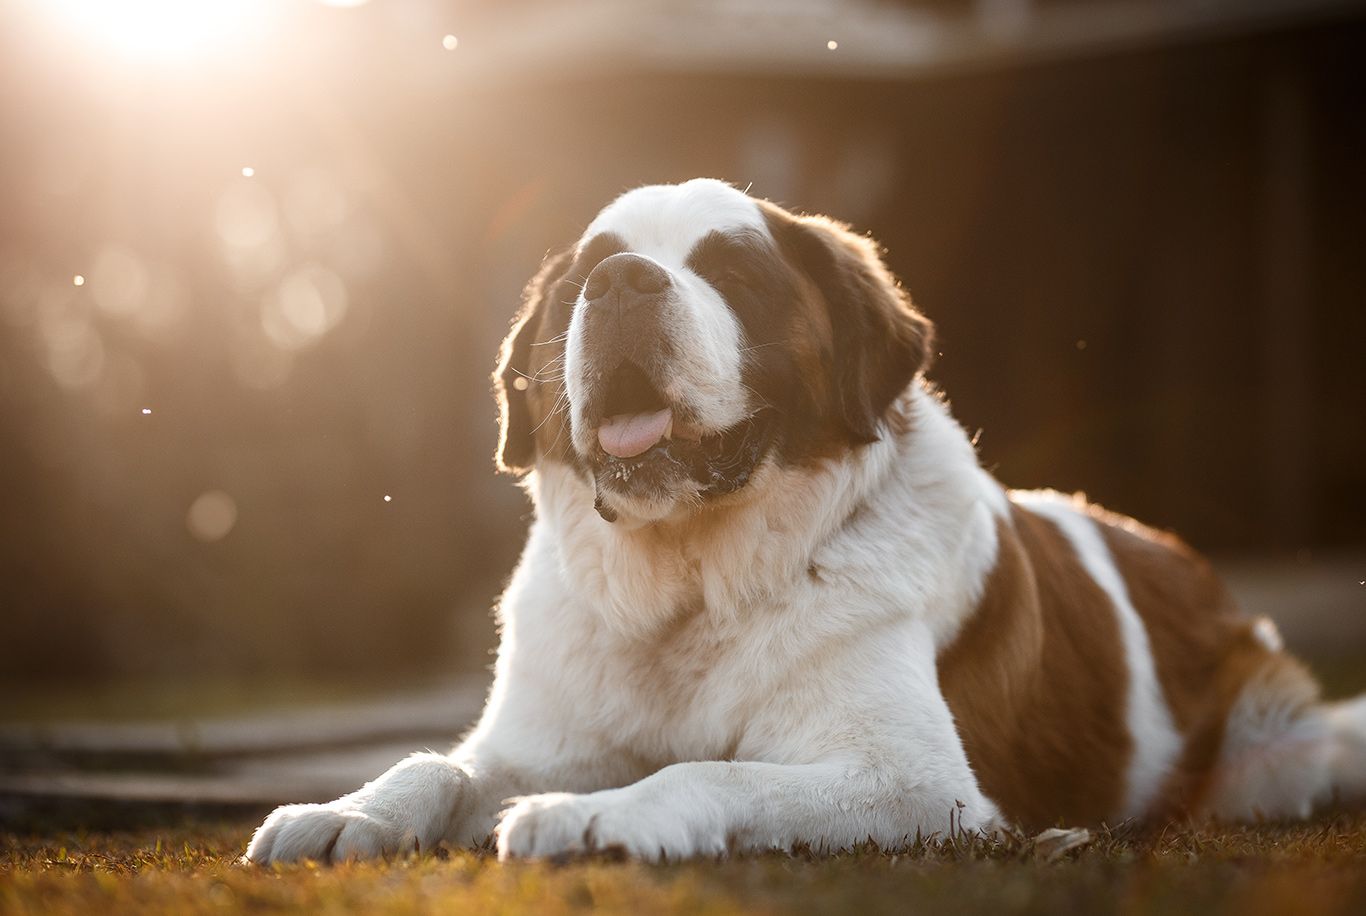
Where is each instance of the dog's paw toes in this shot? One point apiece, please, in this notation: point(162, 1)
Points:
point(554, 824)
point(364, 836)
point(558, 825)
point(325, 833)
point(293, 833)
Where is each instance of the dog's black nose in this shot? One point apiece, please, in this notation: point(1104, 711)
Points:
point(630, 275)
point(623, 318)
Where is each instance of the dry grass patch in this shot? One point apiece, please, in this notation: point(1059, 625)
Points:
point(1312, 869)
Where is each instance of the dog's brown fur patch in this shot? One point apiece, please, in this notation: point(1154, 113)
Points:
point(1036, 681)
point(1205, 651)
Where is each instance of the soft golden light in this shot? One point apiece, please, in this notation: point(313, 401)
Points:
point(151, 29)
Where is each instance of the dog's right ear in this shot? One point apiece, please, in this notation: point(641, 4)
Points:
point(513, 380)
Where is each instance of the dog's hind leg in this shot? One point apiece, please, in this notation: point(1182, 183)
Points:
point(1347, 757)
point(1285, 753)
point(1278, 756)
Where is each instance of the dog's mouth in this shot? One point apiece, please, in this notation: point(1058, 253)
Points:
point(647, 446)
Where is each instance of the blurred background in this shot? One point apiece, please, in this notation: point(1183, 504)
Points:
point(256, 257)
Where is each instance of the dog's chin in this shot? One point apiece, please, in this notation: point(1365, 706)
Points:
point(630, 509)
point(675, 478)
point(654, 487)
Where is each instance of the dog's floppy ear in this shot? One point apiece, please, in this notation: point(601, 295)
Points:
point(879, 340)
point(513, 378)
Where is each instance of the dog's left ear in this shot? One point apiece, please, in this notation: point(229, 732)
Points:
point(880, 341)
point(513, 379)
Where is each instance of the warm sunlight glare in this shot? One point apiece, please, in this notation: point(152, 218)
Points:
point(157, 29)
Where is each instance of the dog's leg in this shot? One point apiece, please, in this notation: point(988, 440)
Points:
point(1285, 753)
point(711, 808)
point(429, 798)
point(420, 802)
point(410, 807)
point(1347, 760)
point(1291, 761)
point(879, 759)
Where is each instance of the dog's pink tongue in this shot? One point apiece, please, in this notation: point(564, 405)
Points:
point(629, 435)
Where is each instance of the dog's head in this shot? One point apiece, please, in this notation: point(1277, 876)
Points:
point(694, 334)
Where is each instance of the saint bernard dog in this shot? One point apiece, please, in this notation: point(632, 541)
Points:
point(771, 598)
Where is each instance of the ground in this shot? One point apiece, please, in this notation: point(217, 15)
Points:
point(192, 867)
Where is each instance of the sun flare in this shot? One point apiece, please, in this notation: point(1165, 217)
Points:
point(157, 29)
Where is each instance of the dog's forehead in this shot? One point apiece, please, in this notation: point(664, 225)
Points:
point(666, 221)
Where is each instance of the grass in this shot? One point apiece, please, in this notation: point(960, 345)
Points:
point(1312, 869)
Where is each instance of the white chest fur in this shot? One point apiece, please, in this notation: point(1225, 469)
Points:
point(696, 642)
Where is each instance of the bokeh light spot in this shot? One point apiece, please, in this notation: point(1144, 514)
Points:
point(146, 411)
point(212, 515)
point(388, 498)
point(520, 383)
point(308, 303)
point(245, 217)
point(832, 44)
point(450, 42)
point(78, 280)
point(248, 171)
point(119, 281)
point(248, 225)
point(74, 350)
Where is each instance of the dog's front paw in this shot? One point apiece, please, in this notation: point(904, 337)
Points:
point(335, 832)
point(561, 824)
point(408, 809)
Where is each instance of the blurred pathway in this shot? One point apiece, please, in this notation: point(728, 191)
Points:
point(242, 762)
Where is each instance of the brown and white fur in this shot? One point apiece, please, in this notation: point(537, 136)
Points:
point(806, 615)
